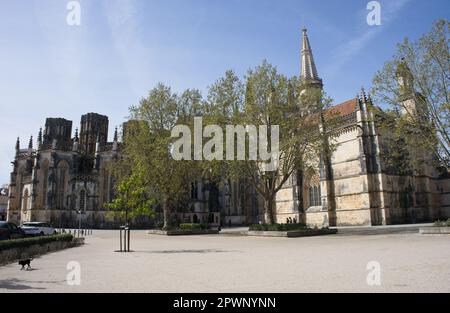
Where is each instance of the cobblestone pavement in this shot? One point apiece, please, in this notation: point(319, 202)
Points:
point(409, 263)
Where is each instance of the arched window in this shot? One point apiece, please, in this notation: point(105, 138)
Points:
point(44, 171)
point(315, 196)
point(25, 201)
point(82, 200)
point(62, 177)
point(194, 190)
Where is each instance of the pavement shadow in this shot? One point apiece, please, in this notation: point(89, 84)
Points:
point(376, 232)
point(16, 284)
point(188, 251)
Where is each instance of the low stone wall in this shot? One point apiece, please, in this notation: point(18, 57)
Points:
point(435, 231)
point(183, 232)
point(293, 234)
point(34, 251)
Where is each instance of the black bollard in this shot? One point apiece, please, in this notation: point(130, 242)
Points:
point(129, 233)
point(120, 235)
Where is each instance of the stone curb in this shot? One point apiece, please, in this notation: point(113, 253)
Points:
point(293, 234)
point(182, 232)
point(435, 231)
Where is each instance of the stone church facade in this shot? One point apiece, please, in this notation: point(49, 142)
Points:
point(354, 185)
point(65, 175)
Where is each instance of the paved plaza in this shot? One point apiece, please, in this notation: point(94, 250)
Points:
point(232, 263)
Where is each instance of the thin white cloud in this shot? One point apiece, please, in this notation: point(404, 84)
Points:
point(350, 49)
point(122, 17)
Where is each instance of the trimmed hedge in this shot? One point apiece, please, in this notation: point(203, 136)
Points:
point(27, 242)
point(277, 227)
point(193, 227)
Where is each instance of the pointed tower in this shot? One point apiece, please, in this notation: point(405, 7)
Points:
point(405, 80)
point(97, 152)
point(30, 142)
point(30, 146)
point(308, 70)
point(411, 102)
point(116, 140)
point(17, 146)
point(75, 141)
point(39, 139)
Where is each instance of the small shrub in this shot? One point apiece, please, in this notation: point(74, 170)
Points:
point(26, 242)
point(193, 227)
point(256, 227)
point(439, 223)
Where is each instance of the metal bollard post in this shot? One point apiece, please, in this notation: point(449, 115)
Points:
point(125, 239)
point(129, 232)
point(120, 235)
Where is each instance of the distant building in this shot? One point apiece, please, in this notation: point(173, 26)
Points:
point(355, 186)
point(64, 175)
point(3, 202)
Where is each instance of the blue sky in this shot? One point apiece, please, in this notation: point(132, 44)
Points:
point(123, 48)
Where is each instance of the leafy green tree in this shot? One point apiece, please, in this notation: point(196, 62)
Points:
point(419, 70)
point(157, 114)
point(268, 98)
point(132, 198)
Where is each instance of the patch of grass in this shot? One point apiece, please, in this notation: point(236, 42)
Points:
point(27, 242)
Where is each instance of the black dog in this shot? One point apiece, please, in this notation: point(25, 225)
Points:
point(26, 262)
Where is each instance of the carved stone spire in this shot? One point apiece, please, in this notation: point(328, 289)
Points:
point(116, 140)
point(309, 70)
point(30, 143)
point(97, 152)
point(17, 146)
point(39, 139)
point(75, 141)
point(363, 94)
point(405, 79)
point(116, 135)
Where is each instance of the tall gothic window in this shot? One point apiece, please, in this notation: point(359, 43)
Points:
point(61, 183)
point(315, 196)
point(44, 169)
point(82, 200)
point(106, 197)
point(25, 201)
point(194, 190)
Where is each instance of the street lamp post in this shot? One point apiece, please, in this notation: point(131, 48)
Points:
point(80, 213)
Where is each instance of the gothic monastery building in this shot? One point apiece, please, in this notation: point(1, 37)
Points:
point(63, 175)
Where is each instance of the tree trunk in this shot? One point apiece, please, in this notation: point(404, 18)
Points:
point(166, 214)
point(268, 209)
